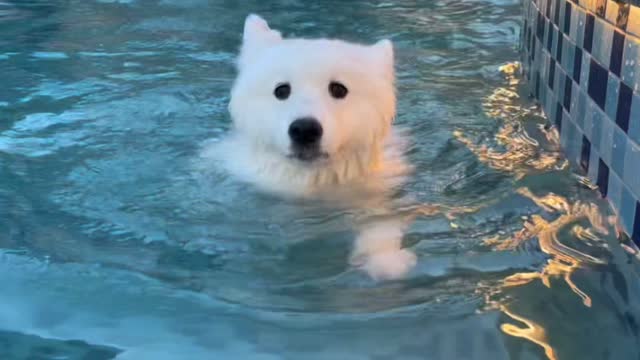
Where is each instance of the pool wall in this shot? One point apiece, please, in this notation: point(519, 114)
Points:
point(581, 60)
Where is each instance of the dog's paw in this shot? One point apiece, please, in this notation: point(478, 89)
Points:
point(390, 265)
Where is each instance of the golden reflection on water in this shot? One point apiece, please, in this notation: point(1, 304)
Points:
point(519, 155)
point(584, 234)
point(532, 332)
point(586, 182)
point(563, 260)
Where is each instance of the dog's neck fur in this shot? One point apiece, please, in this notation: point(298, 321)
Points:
point(272, 172)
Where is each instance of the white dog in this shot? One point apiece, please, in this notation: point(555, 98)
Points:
point(312, 118)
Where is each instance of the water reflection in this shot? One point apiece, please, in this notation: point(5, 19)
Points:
point(517, 153)
point(532, 332)
point(564, 259)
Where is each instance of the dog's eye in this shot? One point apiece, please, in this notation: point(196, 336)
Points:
point(282, 91)
point(337, 90)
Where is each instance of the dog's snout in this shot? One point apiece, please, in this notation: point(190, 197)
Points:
point(305, 131)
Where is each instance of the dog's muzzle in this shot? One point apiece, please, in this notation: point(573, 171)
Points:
point(305, 134)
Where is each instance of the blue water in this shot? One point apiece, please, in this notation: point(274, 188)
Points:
point(115, 243)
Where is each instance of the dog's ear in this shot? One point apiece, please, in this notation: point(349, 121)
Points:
point(383, 52)
point(256, 37)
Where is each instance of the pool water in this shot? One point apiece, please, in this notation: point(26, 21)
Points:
point(114, 245)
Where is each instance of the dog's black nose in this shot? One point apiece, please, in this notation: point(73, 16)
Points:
point(305, 131)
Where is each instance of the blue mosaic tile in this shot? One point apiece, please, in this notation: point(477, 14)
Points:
point(568, 83)
point(635, 234)
point(547, 7)
point(585, 71)
point(575, 93)
point(566, 23)
point(585, 154)
point(614, 193)
point(594, 161)
point(625, 96)
point(540, 24)
point(559, 16)
point(569, 138)
point(590, 109)
point(556, 11)
point(532, 46)
point(597, 120)
point(551, 34)
point(582, 23)
point(611, 103)
point(568, 55)
point(617, 50)
point(552, 73)
point(606, 140)
point(557, 121)
point(565, 134)
point(630, 65)
point(573, 141)
point(619, 149)
point(536, 81)
point(588, 32)
point(558, 46)
point(543, 92)
point(634, 119)
point(581, 110)
point(603, 33)
point(632, 167)
point(577, 64)
point(603, 178)
point(598, 77)
point(558, 87)
point(549, 103)
point(543, 62)
point(539, 51)
point(627, 210)
point(581, 18)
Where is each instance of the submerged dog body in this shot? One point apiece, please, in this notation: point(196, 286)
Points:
point(313, 118)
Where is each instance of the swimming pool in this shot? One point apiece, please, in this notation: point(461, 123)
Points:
point(113, 246)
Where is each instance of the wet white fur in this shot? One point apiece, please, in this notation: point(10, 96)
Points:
point(364, 159)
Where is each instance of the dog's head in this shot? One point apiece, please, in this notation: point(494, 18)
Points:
point(311, 99)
